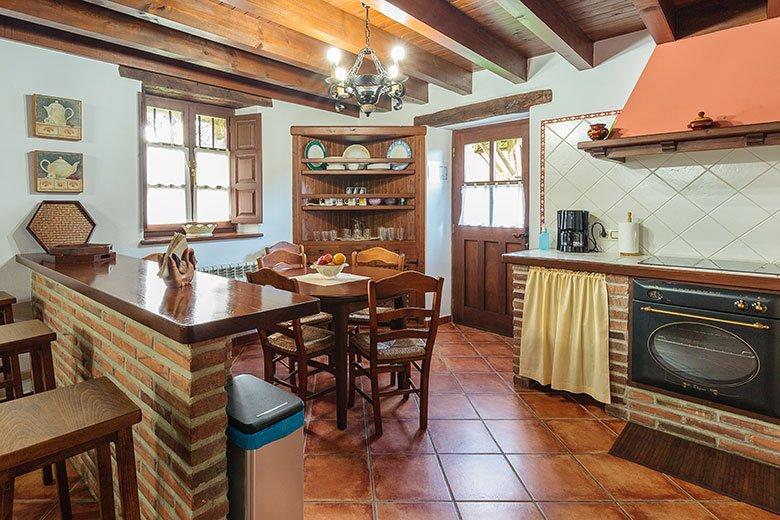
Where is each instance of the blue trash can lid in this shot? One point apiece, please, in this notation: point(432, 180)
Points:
point(254, 405)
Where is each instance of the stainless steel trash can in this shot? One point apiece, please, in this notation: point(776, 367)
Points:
point(265, 451)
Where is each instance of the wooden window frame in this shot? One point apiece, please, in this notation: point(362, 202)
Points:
point(189, 110)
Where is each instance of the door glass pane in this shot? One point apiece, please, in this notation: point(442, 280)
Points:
point(164, 126)
point(166, 205)
point(213, 168)
point(476, 162)
point(165, 166)
point(508, 206)
point(508, 159)
point(703, 354)
point(213, 205)
point(475, 206)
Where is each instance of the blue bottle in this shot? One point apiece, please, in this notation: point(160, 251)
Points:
point(544, 239)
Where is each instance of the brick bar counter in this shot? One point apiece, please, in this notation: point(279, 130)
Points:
point(743, 435)
point(169, 351)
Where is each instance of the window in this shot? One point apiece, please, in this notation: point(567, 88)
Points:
point(190, 166)
point(492, 191)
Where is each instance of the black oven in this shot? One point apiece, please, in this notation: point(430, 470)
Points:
point(716, 344)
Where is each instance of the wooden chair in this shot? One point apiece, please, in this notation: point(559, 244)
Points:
point(6, 363)
point(294, 342)
point(398, 349)
point(261, 278)
point(281, 260)
point(377, 257)
point(285, 246)
point(50, 427)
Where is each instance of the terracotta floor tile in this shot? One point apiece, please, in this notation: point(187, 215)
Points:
point(524, 436)
point(408, 477)
point(583, 436)
point(482, 477)
point(443, 383)
point(461, 436)
point(416, 511)
point(394, 407)
point(32, 509)
point(628, 481)
point(336, 477)
point(478, 336)
point(467, 364)
point(498, 349)
point(337, 511)
point(30, 487)
point(325, 408)
point(498, 406)
point(488, 383)
point(616, 425)
point(582, 511)
point(438, 365)
point(498, 511)
point(556, 477)
point(554, 406)
point(449, 336)
point(666, 510)
point(401, 437)
point(463, 348)
point(737, 511)
point(450, 406)
point(323, 436)
point(501, 364)
point(79, 510)
point(698, 492)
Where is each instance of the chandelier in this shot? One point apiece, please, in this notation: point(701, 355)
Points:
point(367, 89)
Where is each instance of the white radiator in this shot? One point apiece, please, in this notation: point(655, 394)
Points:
point(236, 271)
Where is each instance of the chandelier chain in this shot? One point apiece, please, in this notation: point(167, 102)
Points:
point(368, 27)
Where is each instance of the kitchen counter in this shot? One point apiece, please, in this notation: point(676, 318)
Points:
point(611, 263)
point(170, 351)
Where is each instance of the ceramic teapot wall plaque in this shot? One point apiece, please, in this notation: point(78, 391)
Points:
point(56, 117)
point(58, 171)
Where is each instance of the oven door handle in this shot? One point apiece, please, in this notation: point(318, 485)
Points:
point(754, 325)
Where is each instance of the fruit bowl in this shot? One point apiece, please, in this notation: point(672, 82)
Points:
point(329, 271)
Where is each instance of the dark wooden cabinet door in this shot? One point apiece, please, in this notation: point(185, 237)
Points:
point(246, 171)
point(490, 178)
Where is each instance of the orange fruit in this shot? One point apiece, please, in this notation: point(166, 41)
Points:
point(339, 259)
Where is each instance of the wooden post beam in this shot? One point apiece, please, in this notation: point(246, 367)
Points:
point(554, 27)
point(508, 105)
point(659, 18)
point(451, 28)
point(772, 8)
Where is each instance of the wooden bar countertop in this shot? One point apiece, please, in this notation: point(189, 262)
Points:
point(612, 263)
point(211, 307)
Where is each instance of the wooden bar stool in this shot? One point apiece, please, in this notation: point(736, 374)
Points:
point(6, 316)
point(49, 427)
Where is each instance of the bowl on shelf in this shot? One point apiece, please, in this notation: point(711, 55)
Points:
point(390, 201)
point(374, 201)
point(329, 271)
point(197, 229)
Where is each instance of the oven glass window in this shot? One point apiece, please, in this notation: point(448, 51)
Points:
point(703, 354)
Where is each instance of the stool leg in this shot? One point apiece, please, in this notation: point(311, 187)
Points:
point(48, 367)
point(9, 314)
point(63, 490)
point(16, 373)
point(38, 387)
point(7, 376)
point(106, 482)
point(6, 496)
point(128, 485)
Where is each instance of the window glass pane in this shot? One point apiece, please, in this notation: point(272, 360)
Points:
point(212, 132)
point(475, 206)
point(508, 206)
point(508, 159)
point(166, 206)
point(476, 162)
point(213, 205)
point(165, 166)
point(164, 126)
point(213, 169)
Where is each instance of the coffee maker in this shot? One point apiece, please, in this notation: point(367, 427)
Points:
point(573, 231)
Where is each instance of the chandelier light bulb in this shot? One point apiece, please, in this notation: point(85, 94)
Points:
point(334, 55)
point(398, 53)
point(341, 73)
point(392, 71)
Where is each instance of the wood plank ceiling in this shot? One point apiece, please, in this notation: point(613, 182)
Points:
point(275, 49)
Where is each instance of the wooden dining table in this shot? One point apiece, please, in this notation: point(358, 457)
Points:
point(340, 300)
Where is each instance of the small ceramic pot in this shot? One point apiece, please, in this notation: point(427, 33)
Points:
point(598, 132)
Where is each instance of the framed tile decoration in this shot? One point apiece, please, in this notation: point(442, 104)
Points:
point(56, 117)
point(61, 172)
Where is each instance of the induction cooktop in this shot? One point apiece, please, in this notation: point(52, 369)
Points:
point(739, 266)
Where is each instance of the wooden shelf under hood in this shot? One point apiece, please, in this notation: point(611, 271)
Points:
point(723, 138)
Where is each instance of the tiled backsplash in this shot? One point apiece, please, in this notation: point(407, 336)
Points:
point(722, 204)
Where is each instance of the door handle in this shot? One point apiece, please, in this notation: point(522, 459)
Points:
point(754, 325)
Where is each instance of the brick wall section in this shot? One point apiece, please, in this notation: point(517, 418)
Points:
point(730, 432)
point(180, 443)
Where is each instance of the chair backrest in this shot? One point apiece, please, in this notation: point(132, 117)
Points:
point(280, 260)
point(379, 256)
point(395, 287)
point(285, 246)
point(267, 276)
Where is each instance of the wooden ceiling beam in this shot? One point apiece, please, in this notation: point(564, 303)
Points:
point(503, 106)
point(548, 22)
point(659, 18)
point(25, 32)
point(327, 23)
point(223, 24)
point(451, 28)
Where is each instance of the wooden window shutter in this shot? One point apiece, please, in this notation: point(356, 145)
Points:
point(246, 170)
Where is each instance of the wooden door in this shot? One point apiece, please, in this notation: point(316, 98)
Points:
point(489, 218)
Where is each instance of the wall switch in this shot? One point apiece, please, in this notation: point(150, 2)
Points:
point(612, 234)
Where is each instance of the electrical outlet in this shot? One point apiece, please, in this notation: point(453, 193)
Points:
point(612, 234)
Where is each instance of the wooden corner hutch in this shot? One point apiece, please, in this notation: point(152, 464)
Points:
point(311, 186)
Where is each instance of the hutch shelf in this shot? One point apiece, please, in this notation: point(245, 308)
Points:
point(315, 191)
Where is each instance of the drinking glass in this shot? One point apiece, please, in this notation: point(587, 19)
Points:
point(346, 233)
point(382, 234)
point(391, 233)
point(399, 233)
point(317, 235)
point(367, 234)
point(333, 234)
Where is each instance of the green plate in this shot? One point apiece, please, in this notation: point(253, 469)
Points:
point(315, 150)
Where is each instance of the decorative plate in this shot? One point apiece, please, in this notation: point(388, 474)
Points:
point(315, 150)
point(399, 149)
point(356, 151)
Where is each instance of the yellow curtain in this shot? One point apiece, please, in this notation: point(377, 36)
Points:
point(565, 335)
